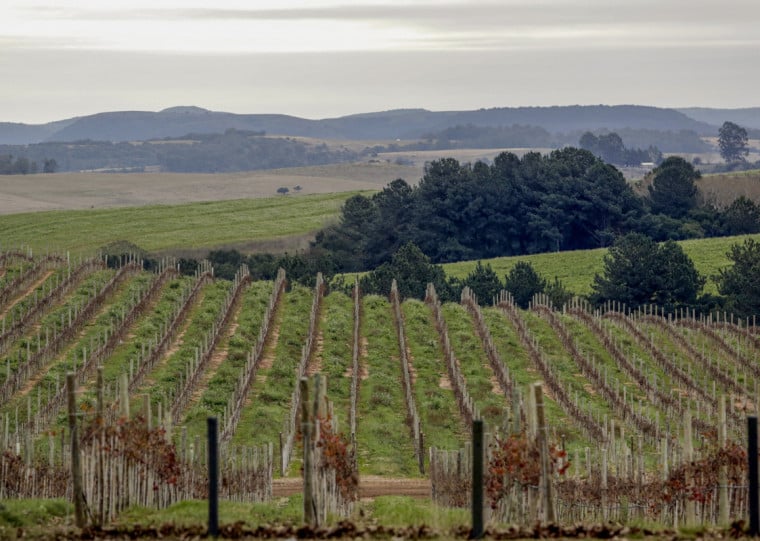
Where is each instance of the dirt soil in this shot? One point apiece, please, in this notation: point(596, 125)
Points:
point(370, 486)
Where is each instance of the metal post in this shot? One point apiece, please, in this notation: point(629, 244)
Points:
point(754, 509)
point(477, 480)
point(213, 478)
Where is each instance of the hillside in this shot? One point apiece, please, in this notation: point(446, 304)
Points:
point(397, 124)
point(182, 348)
point(576, 269)
point(748, 117)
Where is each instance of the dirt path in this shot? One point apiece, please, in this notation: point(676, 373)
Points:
point(34, 380)
point(219, 356)
point(175, 346)
point(370, 486)
point(268, 353)
point(315, 363)
point(28, 291)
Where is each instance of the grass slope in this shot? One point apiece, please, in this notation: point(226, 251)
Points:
point(159, 227)
point(576, 269)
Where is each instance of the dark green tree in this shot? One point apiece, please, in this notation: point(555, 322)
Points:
point(739, 283)
point(412, 270)
point(558, 294)
point(484, 282)
point(523, 282)
point(637, 271)
point(673, 191)
point(742, 217)
point(732, 140)
point(50, 166)
point(678, 283)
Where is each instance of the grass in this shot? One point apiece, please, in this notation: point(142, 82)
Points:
point(576, 269)
point(589, 346)
point(473, 361)
point(269, 399)
point(163, 380)
point(523, 373)
point(392, 511)
point(25, 303)
point(221, 384)
point(195, 512)
point(55, 319)
point(164, 227)
point(144, 331)
point(336, 330)
point(385, 444)
point(28, 513)
point(441, 421)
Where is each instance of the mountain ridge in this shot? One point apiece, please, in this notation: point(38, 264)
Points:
point(414, 123)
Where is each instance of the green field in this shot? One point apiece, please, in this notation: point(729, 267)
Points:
point(163, 227)
point(576, 269)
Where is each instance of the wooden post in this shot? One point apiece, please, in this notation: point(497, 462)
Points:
point(722, 470)
point(99, 518)
point(124, 395)
point(691, 511)
point(546, 479)
point(309, 510)
point(76, 470)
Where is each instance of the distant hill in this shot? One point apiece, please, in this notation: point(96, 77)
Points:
point(401, 124)
point(748, 117)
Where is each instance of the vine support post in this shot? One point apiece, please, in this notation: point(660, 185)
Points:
point(689, 456)
point(309, 509)
point(754, 500)
point(478, 530)
point(213, 477)
point(546, 478)
point(99, 517)
point(76, 466)
point(723, 470)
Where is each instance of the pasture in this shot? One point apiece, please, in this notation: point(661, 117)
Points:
point(576, 269)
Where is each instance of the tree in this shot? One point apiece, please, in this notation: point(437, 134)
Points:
point(739, 283)
point(484, 282)
point(732, 140)
point(673, 191)
point(50, 166)
point(742, 217)
point(523, 282)
point(412, 270)
point(637, 271)
point(283, 190)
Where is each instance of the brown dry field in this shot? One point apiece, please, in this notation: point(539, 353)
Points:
point(69, 191)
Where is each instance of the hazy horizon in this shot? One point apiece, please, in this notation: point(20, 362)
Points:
point(322, 59)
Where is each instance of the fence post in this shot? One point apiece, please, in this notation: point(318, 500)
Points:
point(722, 470)
point(76, 467)
point(546, 478)
point(477, 480)
point(100, 517)
point(309, 511)
point(754, 510)
point(213, 478)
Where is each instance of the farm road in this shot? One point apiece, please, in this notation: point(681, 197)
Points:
point(370, 486)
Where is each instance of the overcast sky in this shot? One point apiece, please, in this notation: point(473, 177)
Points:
point(323, 58)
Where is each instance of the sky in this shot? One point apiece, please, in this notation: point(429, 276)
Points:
point(323, 58)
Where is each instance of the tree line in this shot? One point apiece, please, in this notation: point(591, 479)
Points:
point(566, 200)
point(24, 166)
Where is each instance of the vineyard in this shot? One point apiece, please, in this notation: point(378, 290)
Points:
point(642, 413)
